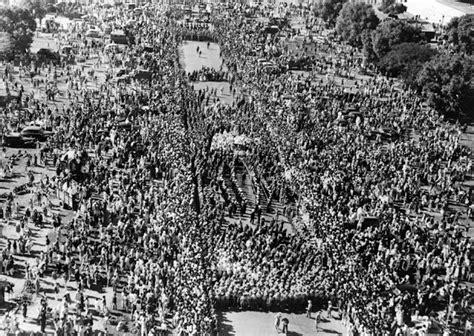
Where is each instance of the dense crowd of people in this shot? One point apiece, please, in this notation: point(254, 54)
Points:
point(359, 164)
point(347, 166)
point(196, 31)
point(207, 74)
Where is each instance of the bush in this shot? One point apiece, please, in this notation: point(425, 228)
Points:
point(446, 82)
point(392, 7)
point(353, 20)
point(328, 10)
point(6, 47)
point(406, 60)
point(20, 25)
point(396, 9)
point(393, 32)
point(460, 33)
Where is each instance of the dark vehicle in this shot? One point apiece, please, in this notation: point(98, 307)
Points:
point(121, 72)
point(36, 132)
point(137, 147)
point(47, 55)
point(107, 30)
point(272, 30)
point(50, 26)
point(124, 79)
point(148, 48)
point(119, 37)
point(301, 63)
point(94, 33)
point(67, 50)
point(140, 75)
point(279, 22)
point(17, 140)
point(102, 133)
point(67, 53)
point(124, 125)
point(384, 134)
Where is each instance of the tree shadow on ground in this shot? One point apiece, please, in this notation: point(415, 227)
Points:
point(224, 325)
point(330, 331)
point(294, 333)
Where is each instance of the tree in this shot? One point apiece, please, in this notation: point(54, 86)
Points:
point(20, 25)
point(445, 80)
point(392, 32)
point(406, 60)
point(392, 7)
point(385, 4)
point(328, 10)
point(368, 47)
point(353, 20)
point(460, 33)
point(396, 9)
point(5, 46)
point(37, 8)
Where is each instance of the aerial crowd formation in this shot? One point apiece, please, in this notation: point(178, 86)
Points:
point(359, 164)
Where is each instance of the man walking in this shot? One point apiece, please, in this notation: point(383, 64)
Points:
point(329, 312)
point(468, 328)
point(308, 309)
point(25, 310)
point(285, 323)
point(316, 321)
point(277, 321)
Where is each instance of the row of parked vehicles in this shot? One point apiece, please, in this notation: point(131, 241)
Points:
point(27, 137)
point(68, 52)
point(31, 134)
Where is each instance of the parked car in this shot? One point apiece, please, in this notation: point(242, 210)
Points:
point(124, 125)
point(122, 72)
point(47, 55)
point(66, 50)
point(107, 29)
point(94, 33)
point(141, 74)
point(112, 48)
point(18, 140)
point(148, 48)
point(272, 30)
point(119, 37)
point(36, 132)
point(67, 53)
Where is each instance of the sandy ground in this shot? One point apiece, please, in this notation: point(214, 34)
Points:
point(192, 61)
point(263, 324)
